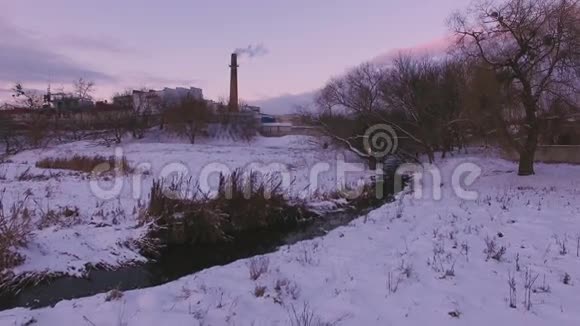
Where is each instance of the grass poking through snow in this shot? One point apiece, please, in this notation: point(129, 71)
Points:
point(86, 164)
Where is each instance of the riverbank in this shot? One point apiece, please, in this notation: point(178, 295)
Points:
point(77, 222)
point(416, 261)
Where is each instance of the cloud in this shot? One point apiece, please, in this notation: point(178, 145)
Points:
point(433, 47)
point(286, 103)
point(23, 58)
point(100, 43)
point(148, 80)
point(18, 63)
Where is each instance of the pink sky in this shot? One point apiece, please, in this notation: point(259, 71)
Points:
point(135, 44)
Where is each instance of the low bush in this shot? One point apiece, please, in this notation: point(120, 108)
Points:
point(258, 266)
point(243, 203)
point(307, 317)
point(379, 191)
point(86, 163)
point(15, 232)
point(62, 216)
point(259, 291)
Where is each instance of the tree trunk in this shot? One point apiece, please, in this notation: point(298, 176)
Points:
point(526, 165)
point(192, 136)
point(430, 154)
point(527, 154)
point(372, 163)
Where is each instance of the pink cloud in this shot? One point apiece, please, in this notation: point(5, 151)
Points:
point(433, 47)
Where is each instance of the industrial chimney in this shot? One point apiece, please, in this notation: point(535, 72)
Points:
point(233, 104)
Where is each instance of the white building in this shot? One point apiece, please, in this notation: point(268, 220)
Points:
point(152, 101)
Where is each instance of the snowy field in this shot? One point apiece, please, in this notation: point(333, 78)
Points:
point(412, 262)
point(102, 227)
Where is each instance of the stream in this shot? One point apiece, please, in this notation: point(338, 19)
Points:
point(174, 262)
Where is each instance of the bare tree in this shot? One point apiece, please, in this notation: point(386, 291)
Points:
point(348, 106)
point(83, 89)
point(427, 93)
point(29, 99)
point(188, 118)
point(419, 98)
point(533, 46)
point(8, 133)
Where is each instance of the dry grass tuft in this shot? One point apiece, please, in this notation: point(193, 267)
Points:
point(114, 295)
point(307, 317)
point(259, 291)
point(258, 266)
point(243, 203)
point(86, 164)
point(63, 216)
point(15, 232)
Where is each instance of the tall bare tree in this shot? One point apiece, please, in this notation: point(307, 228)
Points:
point(532, 46)
point(426, 92)
point(84, 89)
point(348, 106)
point(418, 98)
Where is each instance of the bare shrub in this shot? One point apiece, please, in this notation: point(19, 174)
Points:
point(306, 254)
point(544, 288)
point(513, 291)
point(8, 134)
point(114, 125)
point(499, 254)
point(566, 279)
point(562, 245)
point(86, 163)
point(233, 125)
point(442, 262)
point(449, 272)
point(405, 269)
point(465, 250)
point(306, 317)
point(114, 295)
point(15, 232)
point(189, 118)
point(529, 281)
point(192, 221)
point(26, 175)
point(258, 266)
point(392, 283)
point(62, 216)
point(37, 129)
point(578, 245)
point(455, 313)
point(259, 291)
point(240, 205)
point(505, 201)
point(492, 251)
point(285, 287)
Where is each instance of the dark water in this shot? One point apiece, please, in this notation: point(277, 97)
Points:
point(174, 262)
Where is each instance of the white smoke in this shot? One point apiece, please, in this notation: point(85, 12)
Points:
point(252, 50)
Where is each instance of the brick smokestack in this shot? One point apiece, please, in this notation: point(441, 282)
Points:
point(233, 104)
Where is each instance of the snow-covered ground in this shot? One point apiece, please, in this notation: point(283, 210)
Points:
point(105, 231)
point(412, 262)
